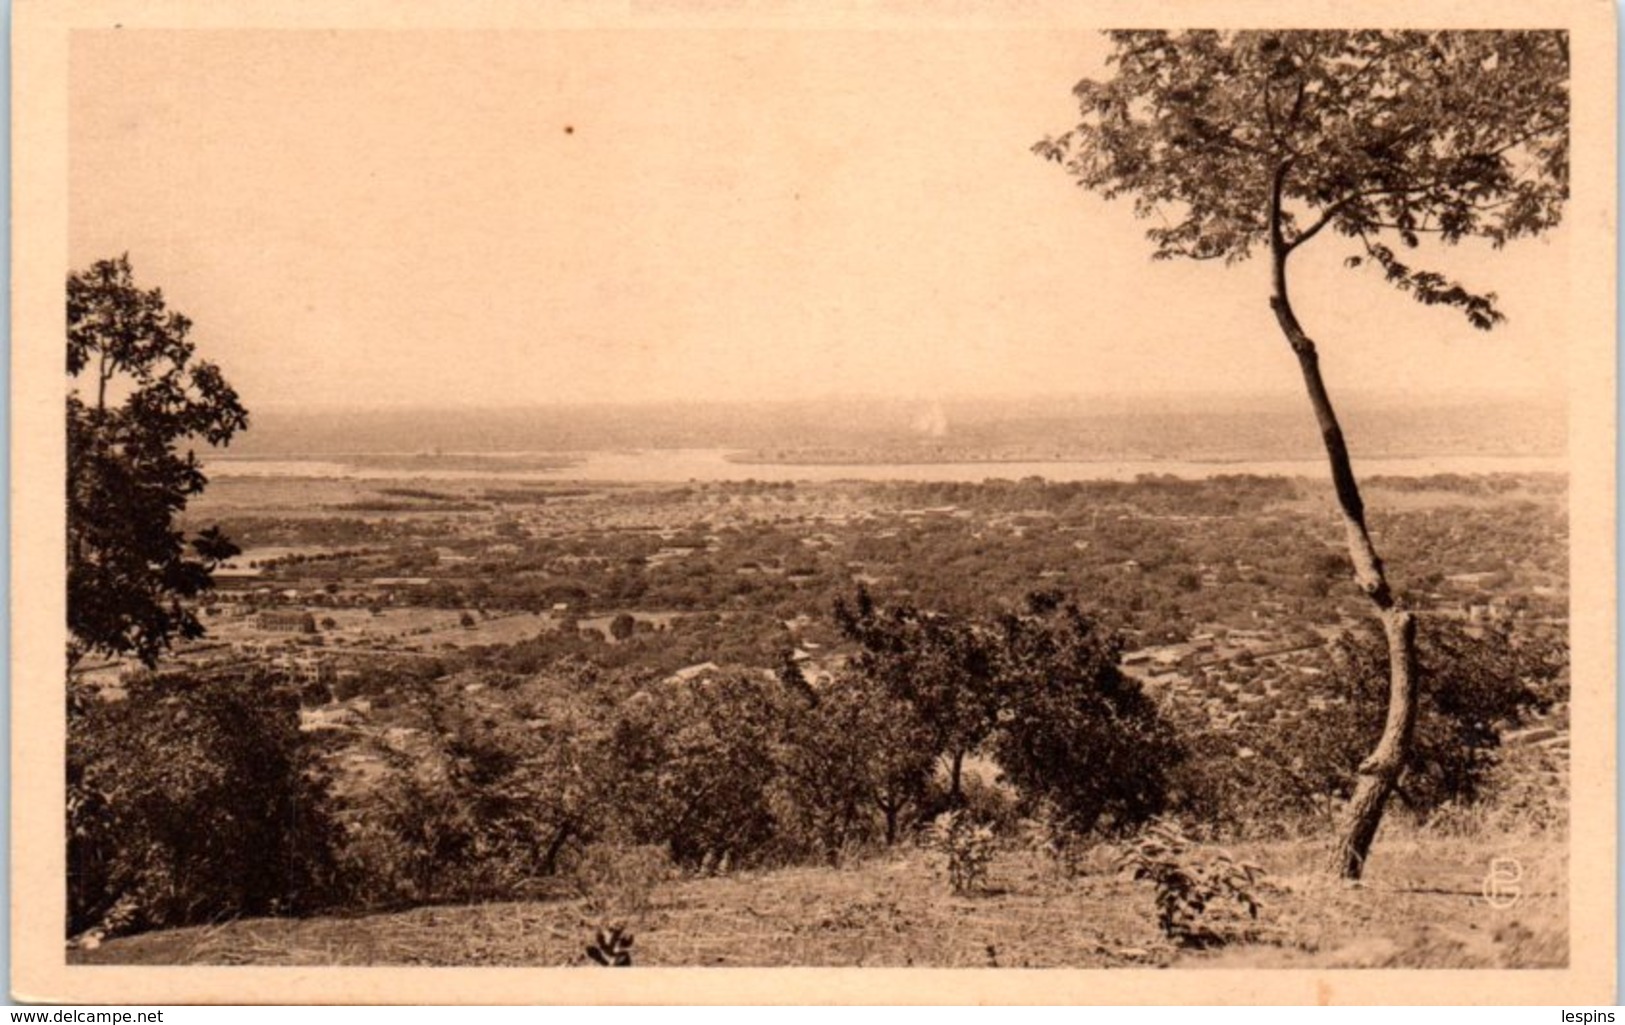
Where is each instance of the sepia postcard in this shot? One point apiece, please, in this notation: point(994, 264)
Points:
point(678, 501)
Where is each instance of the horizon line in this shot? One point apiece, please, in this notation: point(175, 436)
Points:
point(1347, 395)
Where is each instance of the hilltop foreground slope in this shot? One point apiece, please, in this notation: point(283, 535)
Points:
point(1422, 906)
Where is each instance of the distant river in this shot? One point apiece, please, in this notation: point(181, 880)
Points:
point(677, 466)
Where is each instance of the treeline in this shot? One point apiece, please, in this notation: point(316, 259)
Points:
point(1173, 561)
point(510, 778)
point(1152, 494)
point(197, 796)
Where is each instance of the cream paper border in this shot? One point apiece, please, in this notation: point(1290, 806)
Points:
point(39, 183)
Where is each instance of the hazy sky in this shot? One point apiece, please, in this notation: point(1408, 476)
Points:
point(418, 218)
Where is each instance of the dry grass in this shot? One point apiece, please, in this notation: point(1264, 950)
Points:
point(1422, 905)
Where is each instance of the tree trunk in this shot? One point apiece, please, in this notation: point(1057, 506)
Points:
point(1380, 771)
point(550, 860)
point(956, 795)
point(890, 808)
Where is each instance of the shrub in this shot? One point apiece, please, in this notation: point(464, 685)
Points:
point(193, 799)
point(1074, 730)
point(1471, 686)
point(394, 853)
point(611, 947)
point(848, 751)
point(968, 847)
point(1188, 884)
point(1046, 834)
point(991, 803)
point(1229, 791)
point(488, 807)
point(694, 767)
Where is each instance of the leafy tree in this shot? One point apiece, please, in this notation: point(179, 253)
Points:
point(623, 626)
point(528, 774)
point(193, 800)
point(849, 751)
point(940, 666)
point(1074, 730)
point(1246, 141)
point(131, 469)
point(695, 766)
point(1470, 687)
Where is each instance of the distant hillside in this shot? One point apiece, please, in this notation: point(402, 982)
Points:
point(858, 430)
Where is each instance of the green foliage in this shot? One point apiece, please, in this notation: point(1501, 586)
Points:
point(940, 666)
point(695, 766)
point(968, 847)
point(130, 571)
point(193, 799)
point(1075, 731)
point(1189, 884)
point(1473, 684)
point(1241, 140)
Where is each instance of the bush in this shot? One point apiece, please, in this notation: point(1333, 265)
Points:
point(694, 767)
point(504, 784)
point(1189, 885)
point(1472, 685)
point(1239, 786)
point(414, 844)
point(193, 799)
point(1074, 731)
point(991, 803)
point(849, 751)
point(1046, 834)
point(968, 847)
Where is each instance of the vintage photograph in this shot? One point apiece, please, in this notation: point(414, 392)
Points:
point(898, 496)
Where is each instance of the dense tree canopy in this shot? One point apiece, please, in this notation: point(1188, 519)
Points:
point(131, 469)
point(1472, 683)
point(941, 666)
point(1074, 730)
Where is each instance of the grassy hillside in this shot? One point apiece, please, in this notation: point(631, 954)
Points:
point(1422, 905)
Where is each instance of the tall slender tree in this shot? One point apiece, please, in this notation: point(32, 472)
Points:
point(1240, 142)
